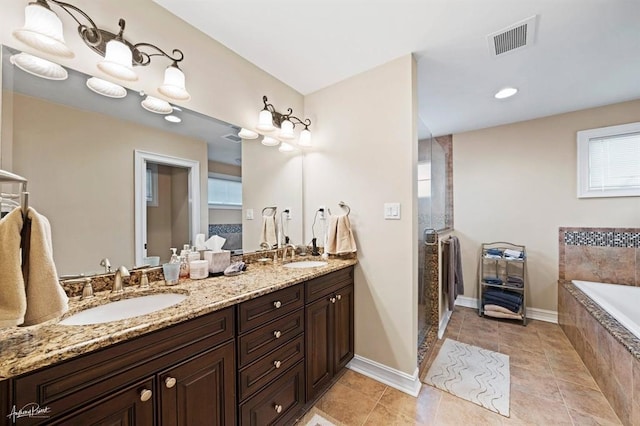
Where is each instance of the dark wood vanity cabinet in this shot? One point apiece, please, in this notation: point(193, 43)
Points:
point(328, 329)
point(271, 377)
point(183, 374)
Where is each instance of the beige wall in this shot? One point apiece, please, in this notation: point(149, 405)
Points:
point(365, 154)
point(80, 170)
point(517, 183)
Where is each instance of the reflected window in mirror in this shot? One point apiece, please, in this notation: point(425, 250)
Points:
point(225, 191)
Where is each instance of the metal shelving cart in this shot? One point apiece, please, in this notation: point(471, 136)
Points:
point(502, 281)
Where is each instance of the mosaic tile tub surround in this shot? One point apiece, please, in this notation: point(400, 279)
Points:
point(607, 255)
point(610, 351)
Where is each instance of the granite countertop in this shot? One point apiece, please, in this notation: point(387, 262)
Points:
point(24, 349)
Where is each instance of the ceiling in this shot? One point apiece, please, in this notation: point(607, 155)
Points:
point(73, 92)
point(586, 53)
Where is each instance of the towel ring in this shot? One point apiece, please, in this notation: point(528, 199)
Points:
point(343, 205)
point(273, 212)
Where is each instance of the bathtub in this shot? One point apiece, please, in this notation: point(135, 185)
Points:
point(620, 301)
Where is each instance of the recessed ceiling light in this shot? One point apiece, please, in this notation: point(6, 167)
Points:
point(506, 93)
point(172, 118)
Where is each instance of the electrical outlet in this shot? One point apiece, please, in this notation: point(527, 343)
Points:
point(288, 216)
point(323, 212)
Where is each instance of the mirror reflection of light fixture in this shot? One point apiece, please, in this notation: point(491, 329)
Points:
point(174, 118)
point(247, 134)
point(106, 88)
point(43, 31)
point(270, 119)
point(155, 105)
point(285, 147)
point(270, 141)
point(38, 66)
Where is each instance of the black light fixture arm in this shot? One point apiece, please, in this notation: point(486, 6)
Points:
point(97, 38)
point(278, 118)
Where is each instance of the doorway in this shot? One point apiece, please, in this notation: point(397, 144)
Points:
point(167, 204)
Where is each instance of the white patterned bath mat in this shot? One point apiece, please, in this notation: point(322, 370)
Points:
point(475, 374)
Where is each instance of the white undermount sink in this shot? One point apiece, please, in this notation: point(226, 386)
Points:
point(123, 309)
point(305, 264)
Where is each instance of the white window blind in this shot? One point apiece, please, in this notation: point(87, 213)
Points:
point(609, 161)
point(225, 192)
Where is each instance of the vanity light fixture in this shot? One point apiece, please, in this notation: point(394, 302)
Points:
point(38, 66)
point(270, 120)
point(285, 147)
point(156, 105)
point(507, 92)
point(247, 134)
point(269, 141)
point(106, 88)
point(43, 31)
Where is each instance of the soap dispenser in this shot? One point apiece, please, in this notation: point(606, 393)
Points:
point(174, 256)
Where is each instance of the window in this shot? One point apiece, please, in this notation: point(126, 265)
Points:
point(424, 180)
point(152, 185)
point(225, 191)
point(609, 161)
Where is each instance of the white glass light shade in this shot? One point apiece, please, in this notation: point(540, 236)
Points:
point(265, 121)
point(172, 118)
point(247, 134)
point(506, 93)
point(173, 86)
point(117, 61)
point(38, 66)
point(106, 88)
point(285, 147)
point(286, 130)
point(43, 31)
point(305, 138)
point(269, 141)
point(156, 105)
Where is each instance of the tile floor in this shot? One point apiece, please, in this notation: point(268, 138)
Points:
point(549, 384)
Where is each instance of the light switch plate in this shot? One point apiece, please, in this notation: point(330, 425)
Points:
point(392, 211)
point(249, 214)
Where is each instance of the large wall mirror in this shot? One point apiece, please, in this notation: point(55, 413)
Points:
point(77, 150)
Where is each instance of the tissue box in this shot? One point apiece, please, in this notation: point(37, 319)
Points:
point(218, 261)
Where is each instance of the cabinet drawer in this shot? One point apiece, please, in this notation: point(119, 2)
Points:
point(263, 371)
point(259, 311)
point(278, 403)
point(263, 340)
point(83, 379)
point(327, 284)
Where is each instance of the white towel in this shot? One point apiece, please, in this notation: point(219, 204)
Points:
point(46, 298)
point(340, 236)
point(268, 234)
point(13, 300)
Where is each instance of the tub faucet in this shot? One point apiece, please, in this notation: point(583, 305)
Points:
point(293, 251)
point(122, 272)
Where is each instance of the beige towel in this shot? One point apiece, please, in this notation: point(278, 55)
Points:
point(498, 314)
point(340, 236)
point(268, 234)
point(13, 300)
point(46, 298)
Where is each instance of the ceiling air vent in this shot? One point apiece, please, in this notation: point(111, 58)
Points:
point(514, 37)
point(233, 138)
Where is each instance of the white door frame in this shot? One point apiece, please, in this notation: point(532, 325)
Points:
point(140, 176)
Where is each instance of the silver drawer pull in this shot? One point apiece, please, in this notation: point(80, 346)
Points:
point(339, 297)
point(278, 408)
point(170, 382)
point(277, 304)
point(277, 334)
point(332, 300)
point(145, 395)
point(277, 364)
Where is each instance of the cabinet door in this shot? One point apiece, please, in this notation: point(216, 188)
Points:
point(133, 405)
point(319, 343)
point(343, 328)
point(201, 390)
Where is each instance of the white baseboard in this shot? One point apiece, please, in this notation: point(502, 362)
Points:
point(389, 376)
point(443, 324)
point(532, 313)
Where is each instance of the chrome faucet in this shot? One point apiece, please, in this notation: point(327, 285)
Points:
point(122, 272)
point(293, 251)
point(107, 265)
